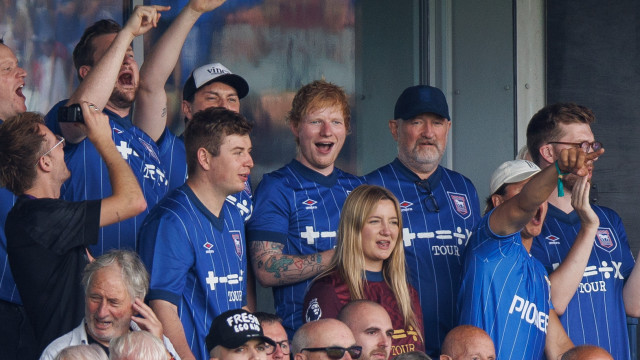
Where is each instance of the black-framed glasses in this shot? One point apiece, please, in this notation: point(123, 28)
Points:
point(60, 141)
point(585, 145)
point(337, 352)
point(430, 201)
point(284, 346)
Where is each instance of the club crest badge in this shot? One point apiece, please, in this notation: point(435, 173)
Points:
point(237, 242)
point(460, 204)
point(606, 240)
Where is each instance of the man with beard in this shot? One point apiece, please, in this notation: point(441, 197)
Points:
point(292, 232)
point(608, 285)
point(372, 328)
point(16, 338)
point(439, 206)
point(109, 78)
point(504, 290)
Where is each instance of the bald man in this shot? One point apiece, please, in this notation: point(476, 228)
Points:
point(323, 340)
point(587, 352)
point(371, 327)
point(467, 342)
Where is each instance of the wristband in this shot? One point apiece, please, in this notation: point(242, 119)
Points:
point(560, 175)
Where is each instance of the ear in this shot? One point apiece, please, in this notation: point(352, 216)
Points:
point(393, 127)
point(83, 71)
point(44, 163)
point(294, 129)
point(496, 200)
point(204, 158)
point(186, 109)
point(299, 356)
point(547, 153)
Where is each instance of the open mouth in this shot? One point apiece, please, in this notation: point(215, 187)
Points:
point(125, 79)
point(102, 325)
point(324, 147)
point(19, 91)
point(383, 244)
point(537, 219)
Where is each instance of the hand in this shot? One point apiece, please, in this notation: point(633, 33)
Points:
point(576, 161)
point(580, 202)
point(96, 123)
point(149, 321)
point(203, 6)
point(144, 18)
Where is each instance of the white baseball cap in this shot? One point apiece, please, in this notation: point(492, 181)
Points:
point(213, 72)
point(512, 172)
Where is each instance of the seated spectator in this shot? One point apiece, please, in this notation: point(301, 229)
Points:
point(273, 329)
point(47, 238)
point(325, 338)
point(137, 345)
point(115, 284)
point(413, 355)
point(587, 352)
point(369, 263)
point(82, 352)
point(506, 291)
point(467, 342)
point(237, 335)
point(371, 327)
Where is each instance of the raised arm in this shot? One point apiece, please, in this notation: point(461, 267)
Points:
point(566, 278)
point(98, 82)
point(558, 341)
point(273, 268)
point(151, 99)
point(512, 215)
point(631, 292)
point(126, 200)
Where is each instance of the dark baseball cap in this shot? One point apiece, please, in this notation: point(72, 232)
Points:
point(209, 73)
point(234, 328)
point(420, 99)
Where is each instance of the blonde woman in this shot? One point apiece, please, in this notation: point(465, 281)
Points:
point(369, 264)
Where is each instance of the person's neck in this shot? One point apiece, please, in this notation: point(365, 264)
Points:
point(324, 171)
point(207, 194)
point(562, 203)
point(42, 191)
point(527, 242)
point(122, 112)
point(424, 171)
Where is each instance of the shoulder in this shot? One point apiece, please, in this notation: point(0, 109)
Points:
point(76, 336)
point(455, 176)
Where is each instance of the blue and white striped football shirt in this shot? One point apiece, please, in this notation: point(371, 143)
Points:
point(90, 179)
point(300, 208)
point(506, 292)
point(596, 314)
point(197, 261)
point(437, 225)
point(8, 290)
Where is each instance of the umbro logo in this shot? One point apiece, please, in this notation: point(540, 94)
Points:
point(209, 247)
point(406, 206)
point(553, 240)
point(310, 204)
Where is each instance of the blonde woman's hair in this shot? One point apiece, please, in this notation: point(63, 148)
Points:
point(349, 261)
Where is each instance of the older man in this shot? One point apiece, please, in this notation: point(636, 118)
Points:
point(439, 206)
point(325, 339)
point(115, 285)
point(467, 342)
point(372, 328)
point(272, 327)
point(16, 338)
point(586, 352)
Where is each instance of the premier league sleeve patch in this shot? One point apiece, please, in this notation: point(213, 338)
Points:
point(606, 240)
point(314, 312)
point(460, 204)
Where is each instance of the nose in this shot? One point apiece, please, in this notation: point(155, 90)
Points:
point(278, 354)
point(255, 354)
point(386, 229)
point(103, 310)
point(427, 129)
point(325, 128)
point(249, 161)
point(22, 73)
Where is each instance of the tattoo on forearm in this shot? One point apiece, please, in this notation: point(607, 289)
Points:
point(286, 269)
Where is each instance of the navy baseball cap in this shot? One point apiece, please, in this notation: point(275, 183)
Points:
point(209, 73)
point(420, 99)
point(233, 329)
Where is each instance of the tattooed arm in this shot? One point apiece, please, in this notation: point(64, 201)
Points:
point(273, 268)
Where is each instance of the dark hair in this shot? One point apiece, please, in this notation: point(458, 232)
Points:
point(543, 126)
point(21, 143)
point(208, 128)
point(489, 203)
point(83, 52)
point(267, 318)
point(316, 95)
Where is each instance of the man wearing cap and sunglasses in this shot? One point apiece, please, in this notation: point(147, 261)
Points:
point(504, 290)
point(325, 339)
point(609, 283)
point(439, 206)
point(237, 335)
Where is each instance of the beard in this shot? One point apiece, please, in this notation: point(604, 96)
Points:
point(122, 99)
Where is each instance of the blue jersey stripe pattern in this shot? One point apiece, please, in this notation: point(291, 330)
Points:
point(299, 208)
point(506, 292)
point(433, 240)
point(197, 261)
point(596, 313)
point(8, 290)
point(90, 179)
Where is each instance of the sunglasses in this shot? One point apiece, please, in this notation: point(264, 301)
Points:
point(337, 352)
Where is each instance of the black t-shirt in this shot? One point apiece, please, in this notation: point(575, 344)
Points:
point(46, 241)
